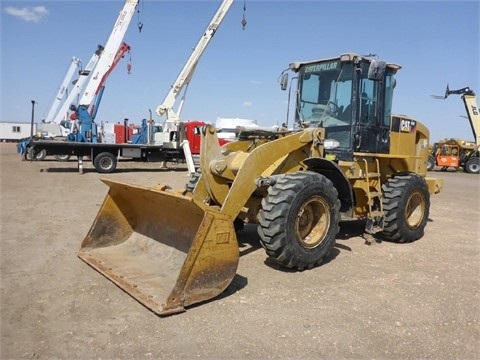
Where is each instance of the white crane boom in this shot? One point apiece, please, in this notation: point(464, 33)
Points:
point(62, 113)
point(110, 50)
point(187, 72)
point(63, 89)
point(122, 50)
point(470, 101)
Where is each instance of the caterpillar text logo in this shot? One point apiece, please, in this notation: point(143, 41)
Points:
point(333, 65)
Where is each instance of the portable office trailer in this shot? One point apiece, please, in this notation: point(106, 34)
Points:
point(14, 131)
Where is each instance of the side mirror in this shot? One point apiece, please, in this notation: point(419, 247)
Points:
point(376, 70)
point(284, 81)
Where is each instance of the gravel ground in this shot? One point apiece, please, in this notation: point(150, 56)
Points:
point(379, 301)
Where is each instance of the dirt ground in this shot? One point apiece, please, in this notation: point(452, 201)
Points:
point(379, 301)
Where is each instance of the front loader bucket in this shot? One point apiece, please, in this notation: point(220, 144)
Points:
point(161, 247)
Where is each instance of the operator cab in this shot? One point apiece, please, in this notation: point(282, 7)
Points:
point(349, 96)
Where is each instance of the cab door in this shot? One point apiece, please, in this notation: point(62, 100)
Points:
point(372, 114)
point(448, 156)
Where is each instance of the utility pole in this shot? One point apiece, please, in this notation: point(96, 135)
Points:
point(33, 117)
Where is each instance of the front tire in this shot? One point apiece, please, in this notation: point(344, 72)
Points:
point(299, 219)
point(406, 203)
point(105, 163)
point(430, 163)
point(37, 156)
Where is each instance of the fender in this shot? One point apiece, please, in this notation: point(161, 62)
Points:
point(332, 171)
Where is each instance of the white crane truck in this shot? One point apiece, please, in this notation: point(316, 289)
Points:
point(173, 141)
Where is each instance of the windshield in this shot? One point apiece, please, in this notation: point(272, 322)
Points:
point(66, 124)
point(325, 98)
point(326, 94)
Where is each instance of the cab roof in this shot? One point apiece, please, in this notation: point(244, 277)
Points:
point(347, 57)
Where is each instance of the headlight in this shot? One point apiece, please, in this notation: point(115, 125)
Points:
point(330, 144)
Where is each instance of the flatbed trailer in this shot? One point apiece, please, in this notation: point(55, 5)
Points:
point(104, 156)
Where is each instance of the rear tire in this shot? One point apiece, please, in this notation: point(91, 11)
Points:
point(62, 157)
point(299, 219)
point(105, 163)
point(406, 203)
point(473, 165)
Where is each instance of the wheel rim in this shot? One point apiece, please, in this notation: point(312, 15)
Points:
point(312, 222)
point(40, 155)
point(415, 210)
point(474, 167)
point(106, 163)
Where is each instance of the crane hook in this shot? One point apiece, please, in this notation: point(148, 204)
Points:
point(129, 65)
point(244, 20)
point(139, 22)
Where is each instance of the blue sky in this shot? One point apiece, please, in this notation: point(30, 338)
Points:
point(436, 42)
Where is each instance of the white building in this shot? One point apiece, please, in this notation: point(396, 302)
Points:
point(14, 131)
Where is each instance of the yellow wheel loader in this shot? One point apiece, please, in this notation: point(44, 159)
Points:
point(349, 159)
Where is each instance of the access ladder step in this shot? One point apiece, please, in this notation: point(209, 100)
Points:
point(375, 213)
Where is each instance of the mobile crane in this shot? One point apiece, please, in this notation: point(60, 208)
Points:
point(62, 115)
point(112, 52)
point(59, 116)
point(173, 135)
point(50, 128)
point(57, 120)
point(99, 67)
point(458, 153)
point(175, 140)
point(84, 129)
